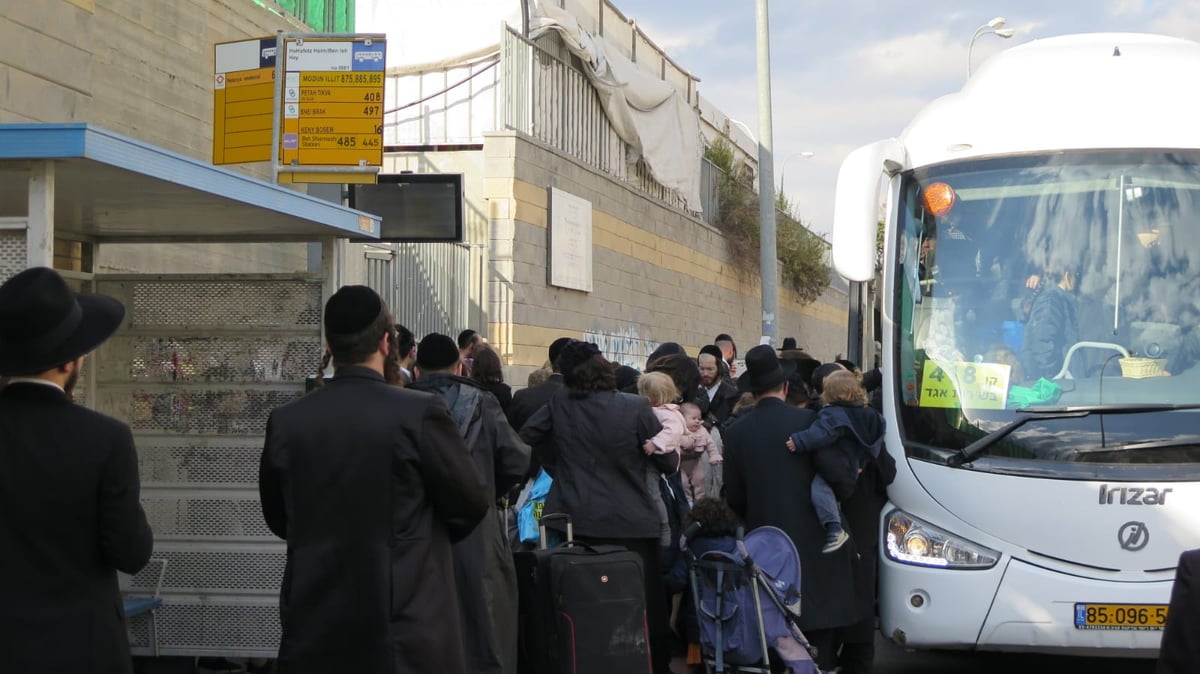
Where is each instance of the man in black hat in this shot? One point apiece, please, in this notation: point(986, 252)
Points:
point(369, 484)
point(483, 563)
point(720, 394)
point(767, 485)
point(70, 516)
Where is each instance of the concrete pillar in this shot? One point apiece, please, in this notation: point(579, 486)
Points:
point(39, 238)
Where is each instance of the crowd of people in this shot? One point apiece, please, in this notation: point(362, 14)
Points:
point(394, 485)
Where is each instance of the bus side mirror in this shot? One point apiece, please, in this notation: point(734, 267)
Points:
point(856, 211)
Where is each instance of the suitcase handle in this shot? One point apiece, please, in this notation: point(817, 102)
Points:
point(554, 517)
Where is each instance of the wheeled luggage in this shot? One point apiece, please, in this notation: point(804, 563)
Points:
point(582, 608)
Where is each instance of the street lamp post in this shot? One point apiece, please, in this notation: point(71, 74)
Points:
point(768, 257)
point(783, 167)
point(993, 27)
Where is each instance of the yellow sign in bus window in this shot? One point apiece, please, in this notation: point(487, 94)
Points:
point(980, 386)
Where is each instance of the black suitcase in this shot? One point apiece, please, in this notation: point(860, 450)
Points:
point(582, 608)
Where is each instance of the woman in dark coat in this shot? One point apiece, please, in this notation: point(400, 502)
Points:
point(596, 434)
point(488, 371)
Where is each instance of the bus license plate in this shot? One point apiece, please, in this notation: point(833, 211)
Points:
point(1120, 616)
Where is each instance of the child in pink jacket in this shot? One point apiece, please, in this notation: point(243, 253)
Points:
point(660, 390)
point(699, 453)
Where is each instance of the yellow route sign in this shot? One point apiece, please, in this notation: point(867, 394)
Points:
point(333, 102)
point(978, 386)
point(243, 100)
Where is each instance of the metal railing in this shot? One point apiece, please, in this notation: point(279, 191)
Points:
point(552, 101)
point(426, 284)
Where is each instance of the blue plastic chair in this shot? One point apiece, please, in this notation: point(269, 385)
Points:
point(139, 605)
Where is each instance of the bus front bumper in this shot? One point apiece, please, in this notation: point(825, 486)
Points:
point(1015, 606)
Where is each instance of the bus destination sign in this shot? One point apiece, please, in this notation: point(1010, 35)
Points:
point(333, 102)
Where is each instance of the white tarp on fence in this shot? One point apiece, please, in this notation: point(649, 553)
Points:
point(649, 114)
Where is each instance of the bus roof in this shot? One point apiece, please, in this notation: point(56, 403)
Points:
point(1099, 90)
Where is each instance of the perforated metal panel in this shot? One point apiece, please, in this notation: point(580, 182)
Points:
point(223, 359)
point(193, 571)
point(225, 304)
point(12, 253)
point(194, 462)
point(184, 410)
point(212, 519)
point(138, 630)
point(196, 628)
point(196, 371)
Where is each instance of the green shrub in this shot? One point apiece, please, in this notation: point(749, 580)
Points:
point(801, 252)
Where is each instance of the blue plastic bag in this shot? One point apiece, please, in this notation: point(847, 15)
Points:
point(531, 510)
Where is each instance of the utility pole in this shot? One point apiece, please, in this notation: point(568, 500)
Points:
point(768, 257)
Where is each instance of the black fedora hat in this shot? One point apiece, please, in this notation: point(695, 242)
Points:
point(805, 364)
point(43, 323)
point(764, 370)
point(789, 343)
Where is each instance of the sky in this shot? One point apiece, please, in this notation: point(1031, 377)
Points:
point(845, 73)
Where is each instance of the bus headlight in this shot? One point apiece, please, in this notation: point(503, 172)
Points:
point(911, 541)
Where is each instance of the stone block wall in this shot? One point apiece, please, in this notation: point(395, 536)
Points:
point(659, 274)
point(145, 70)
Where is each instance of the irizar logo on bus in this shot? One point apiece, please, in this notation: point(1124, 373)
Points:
point(1133, 495)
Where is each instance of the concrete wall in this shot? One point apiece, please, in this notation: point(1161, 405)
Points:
point(142, 69)
point(659, 275)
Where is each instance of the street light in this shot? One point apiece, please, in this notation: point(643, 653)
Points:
point(783, 167)
point(742, 125)
point(993, 27)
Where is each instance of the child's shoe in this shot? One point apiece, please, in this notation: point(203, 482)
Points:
point(835, 539)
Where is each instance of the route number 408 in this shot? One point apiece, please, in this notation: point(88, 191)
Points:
point(967, 375)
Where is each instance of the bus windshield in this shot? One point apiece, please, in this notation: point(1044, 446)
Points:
point(1049, 281)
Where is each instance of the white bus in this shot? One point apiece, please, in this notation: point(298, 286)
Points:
point(1040, 319)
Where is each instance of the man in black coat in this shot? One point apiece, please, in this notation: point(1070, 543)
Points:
point(1180, 653)
point(720, 394)
point(529, 400)
point(861, 510)
point(483, 563)
point(369, 484)
point(769, 486)
point(70, 517)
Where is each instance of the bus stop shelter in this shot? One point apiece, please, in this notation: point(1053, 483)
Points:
point(199, 362)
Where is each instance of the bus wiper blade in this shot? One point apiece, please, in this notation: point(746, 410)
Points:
point(1115, 408)
point(982, 445)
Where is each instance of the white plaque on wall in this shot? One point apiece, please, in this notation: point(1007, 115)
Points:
point(570, 241)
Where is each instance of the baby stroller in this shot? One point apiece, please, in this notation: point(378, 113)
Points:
point(747, 598)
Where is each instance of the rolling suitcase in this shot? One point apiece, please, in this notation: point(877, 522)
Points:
point(582, 608)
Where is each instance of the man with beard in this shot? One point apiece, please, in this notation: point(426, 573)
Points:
point(483, 563)
point(720, 394)
point(70, 516)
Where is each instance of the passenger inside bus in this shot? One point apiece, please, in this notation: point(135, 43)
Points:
point(1052, 326)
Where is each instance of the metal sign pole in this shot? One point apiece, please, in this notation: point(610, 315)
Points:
point(276, 121)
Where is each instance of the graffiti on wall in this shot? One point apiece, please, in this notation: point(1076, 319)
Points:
point(624, 346)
